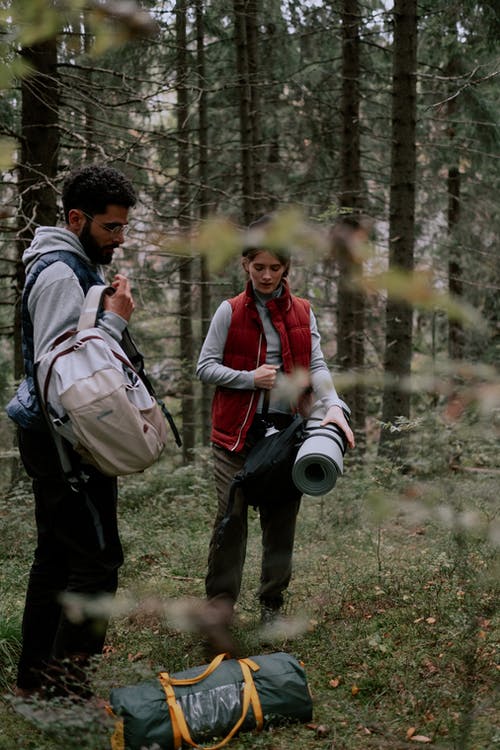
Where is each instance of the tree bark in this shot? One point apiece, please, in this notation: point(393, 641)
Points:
point(399, 314)
point(351, 301)
point(89, 107)
point(184, 218)
point(253, 81)
point(455, 271)
point(38, 163)
point(245, 24)
point(203, 202)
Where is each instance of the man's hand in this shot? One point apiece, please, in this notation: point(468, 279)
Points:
point(336, 416)
point(121, 302)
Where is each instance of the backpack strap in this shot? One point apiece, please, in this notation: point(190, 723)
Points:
point(86, 275)
point(91, 306)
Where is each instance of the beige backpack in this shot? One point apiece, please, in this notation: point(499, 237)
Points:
point(95, 398)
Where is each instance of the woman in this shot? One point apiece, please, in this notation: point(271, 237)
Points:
point(255, 343)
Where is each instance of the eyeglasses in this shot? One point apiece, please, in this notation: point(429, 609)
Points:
point(114, 228)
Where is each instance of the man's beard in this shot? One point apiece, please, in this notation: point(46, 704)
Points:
point(97, 254)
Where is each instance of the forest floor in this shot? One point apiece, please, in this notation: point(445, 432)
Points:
point(392, 608)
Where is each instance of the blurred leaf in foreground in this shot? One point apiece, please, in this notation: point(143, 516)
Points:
point(113, 23)
point(417, 289)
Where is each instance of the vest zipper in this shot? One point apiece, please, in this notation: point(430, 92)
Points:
point(251, 401)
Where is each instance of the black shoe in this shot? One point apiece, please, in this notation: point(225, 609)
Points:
point(270, 610)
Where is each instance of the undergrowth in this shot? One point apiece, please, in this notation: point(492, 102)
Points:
point(393, 604)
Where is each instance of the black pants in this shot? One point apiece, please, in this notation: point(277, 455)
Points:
point(78, 552)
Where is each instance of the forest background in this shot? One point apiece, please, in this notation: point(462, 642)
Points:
point(371, 130)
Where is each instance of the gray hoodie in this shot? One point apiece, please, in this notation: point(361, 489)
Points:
point(56, 299)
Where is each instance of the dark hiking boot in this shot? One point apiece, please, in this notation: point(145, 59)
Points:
point(270, 610)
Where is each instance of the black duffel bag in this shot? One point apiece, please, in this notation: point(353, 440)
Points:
point(209, 702)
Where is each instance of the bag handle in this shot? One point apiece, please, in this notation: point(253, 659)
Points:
point(265, 404)
point(250, 697)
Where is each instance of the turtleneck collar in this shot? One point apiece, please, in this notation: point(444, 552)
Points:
point(263, 298)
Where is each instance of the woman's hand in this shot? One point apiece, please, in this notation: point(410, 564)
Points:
point(335, 415)
point(265, 376)
point(121, 302)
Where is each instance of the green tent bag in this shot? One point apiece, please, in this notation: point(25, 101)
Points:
point(212, 701)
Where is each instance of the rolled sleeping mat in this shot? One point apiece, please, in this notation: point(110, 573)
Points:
point(320, 459)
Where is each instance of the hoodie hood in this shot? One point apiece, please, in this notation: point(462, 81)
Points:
point(49, 239)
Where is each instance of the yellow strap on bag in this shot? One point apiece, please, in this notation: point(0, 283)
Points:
point(193, 680)
point(254, 696)
point(118, 736)
point(250, 697)
point(176, 715)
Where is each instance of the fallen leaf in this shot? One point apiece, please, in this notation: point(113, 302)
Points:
point(136, 657)
point(420, 738)
point(430, 620)
point(354, 690)
point(430, 667)
point(335, 682)
point(410, 732)
point(322, 730)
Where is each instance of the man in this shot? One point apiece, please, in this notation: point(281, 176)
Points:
point(78, 547)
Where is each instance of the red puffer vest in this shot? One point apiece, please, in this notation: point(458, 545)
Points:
point(233, 410)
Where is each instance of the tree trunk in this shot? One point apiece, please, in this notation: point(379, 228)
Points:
point(253, 81)
point(399, 314)
point(455, 272)
point(245, 14)
point(185, 270)
point(38, 163)
point(351, 302)
point(203, 203)
point(89, 106)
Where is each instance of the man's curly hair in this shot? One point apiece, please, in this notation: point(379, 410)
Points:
point(93, 188)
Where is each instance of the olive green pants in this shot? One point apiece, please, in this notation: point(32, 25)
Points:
point(228, 549)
